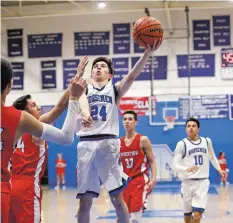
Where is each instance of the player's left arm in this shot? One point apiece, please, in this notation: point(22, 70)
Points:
point(147, 147)
point(52, 115)
point(213, 158)
point(123, 86)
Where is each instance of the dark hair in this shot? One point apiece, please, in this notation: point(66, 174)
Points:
point(193, 120)
point(220, 153)
point(107, 61)
point(131, 112)
point(6, 73)
point(21, 103)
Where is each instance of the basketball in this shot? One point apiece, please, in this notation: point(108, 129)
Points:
point(146, 30)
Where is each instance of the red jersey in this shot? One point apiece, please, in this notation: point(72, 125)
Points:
point(30, 157)
point(133, 158)
point(60, 164)
point(10, 118)
point(223, 162)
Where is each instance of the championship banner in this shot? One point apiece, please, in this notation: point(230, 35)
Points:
point(138, 104)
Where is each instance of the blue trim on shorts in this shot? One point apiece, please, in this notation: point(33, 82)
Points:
point(201, 210)
point(97, 137)
point(188, 214)
point(87, 193)
point(121, 188)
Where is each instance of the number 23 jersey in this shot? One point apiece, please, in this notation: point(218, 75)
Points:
point(133, 158)
point(103, 110)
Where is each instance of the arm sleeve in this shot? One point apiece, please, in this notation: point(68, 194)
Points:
point(64, 136)
point(212, 157)
point(178, 156)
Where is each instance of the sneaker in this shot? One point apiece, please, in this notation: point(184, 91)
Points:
point(56, 188)
point(227, 183)
point(63, 187)
point(221, 183)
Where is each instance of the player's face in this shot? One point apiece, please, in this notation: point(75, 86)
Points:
point(192, 129)
point(33, 108)
point(129, 122)
point(100, 72)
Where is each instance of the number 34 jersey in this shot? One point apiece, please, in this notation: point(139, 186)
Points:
point(133, 158)
point(103, 110)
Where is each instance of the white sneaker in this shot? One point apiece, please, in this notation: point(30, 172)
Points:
point(56, 188)
point(221, 183)
point(227, 183)
point(63, 187)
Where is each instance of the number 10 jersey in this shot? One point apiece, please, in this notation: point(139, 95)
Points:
point(103, 110)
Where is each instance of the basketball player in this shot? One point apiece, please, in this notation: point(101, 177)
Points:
point(15, 123)
point(223, 164)
point(60, 171)
point(136, 156)
point(191, 162)
point(98, 148)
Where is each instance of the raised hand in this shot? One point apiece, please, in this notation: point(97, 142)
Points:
point(77, 87)
point(155, 46)
point(82, 65)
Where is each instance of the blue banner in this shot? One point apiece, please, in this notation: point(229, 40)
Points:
point(204, 107)
point(45, 45)
point(91, 43)
point(158, 69)
point(69, 71)
point(18, 79)
point(121, 67)
point(15, 42)
point(201, 34)
point(201, 65)
point(121, 38)
point(221, 30)
point(48, 74)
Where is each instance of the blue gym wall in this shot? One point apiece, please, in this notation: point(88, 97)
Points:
point(219, 130)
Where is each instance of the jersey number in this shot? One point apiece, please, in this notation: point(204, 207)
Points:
point(1, 141)
point(20, 144)
point(95, 111)
point(129, 162)
point(198, 160)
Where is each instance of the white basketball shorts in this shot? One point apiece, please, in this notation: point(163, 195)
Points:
point(194, 193)
point(99, 163)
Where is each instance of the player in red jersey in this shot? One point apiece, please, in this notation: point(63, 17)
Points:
point(15, 123)
point(29, 161)
point(136, 156)
point(223, 164)
point(60, 171)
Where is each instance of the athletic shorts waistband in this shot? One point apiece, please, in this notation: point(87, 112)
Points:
point(97, 137)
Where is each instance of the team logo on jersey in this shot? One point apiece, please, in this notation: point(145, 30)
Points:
point(99, 98)
point(197, 150)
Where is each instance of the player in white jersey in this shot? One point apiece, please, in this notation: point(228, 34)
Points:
point(191, 162)
point(99, 148)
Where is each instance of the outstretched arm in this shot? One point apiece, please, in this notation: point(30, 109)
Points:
point(124, 85)
point(65, 135)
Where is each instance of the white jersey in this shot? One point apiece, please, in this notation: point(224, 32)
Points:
point(196, 154)
point(103, 110)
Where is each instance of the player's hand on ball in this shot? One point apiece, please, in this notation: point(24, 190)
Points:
point(193, 169)
point(82, 65)
point(155, 46)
